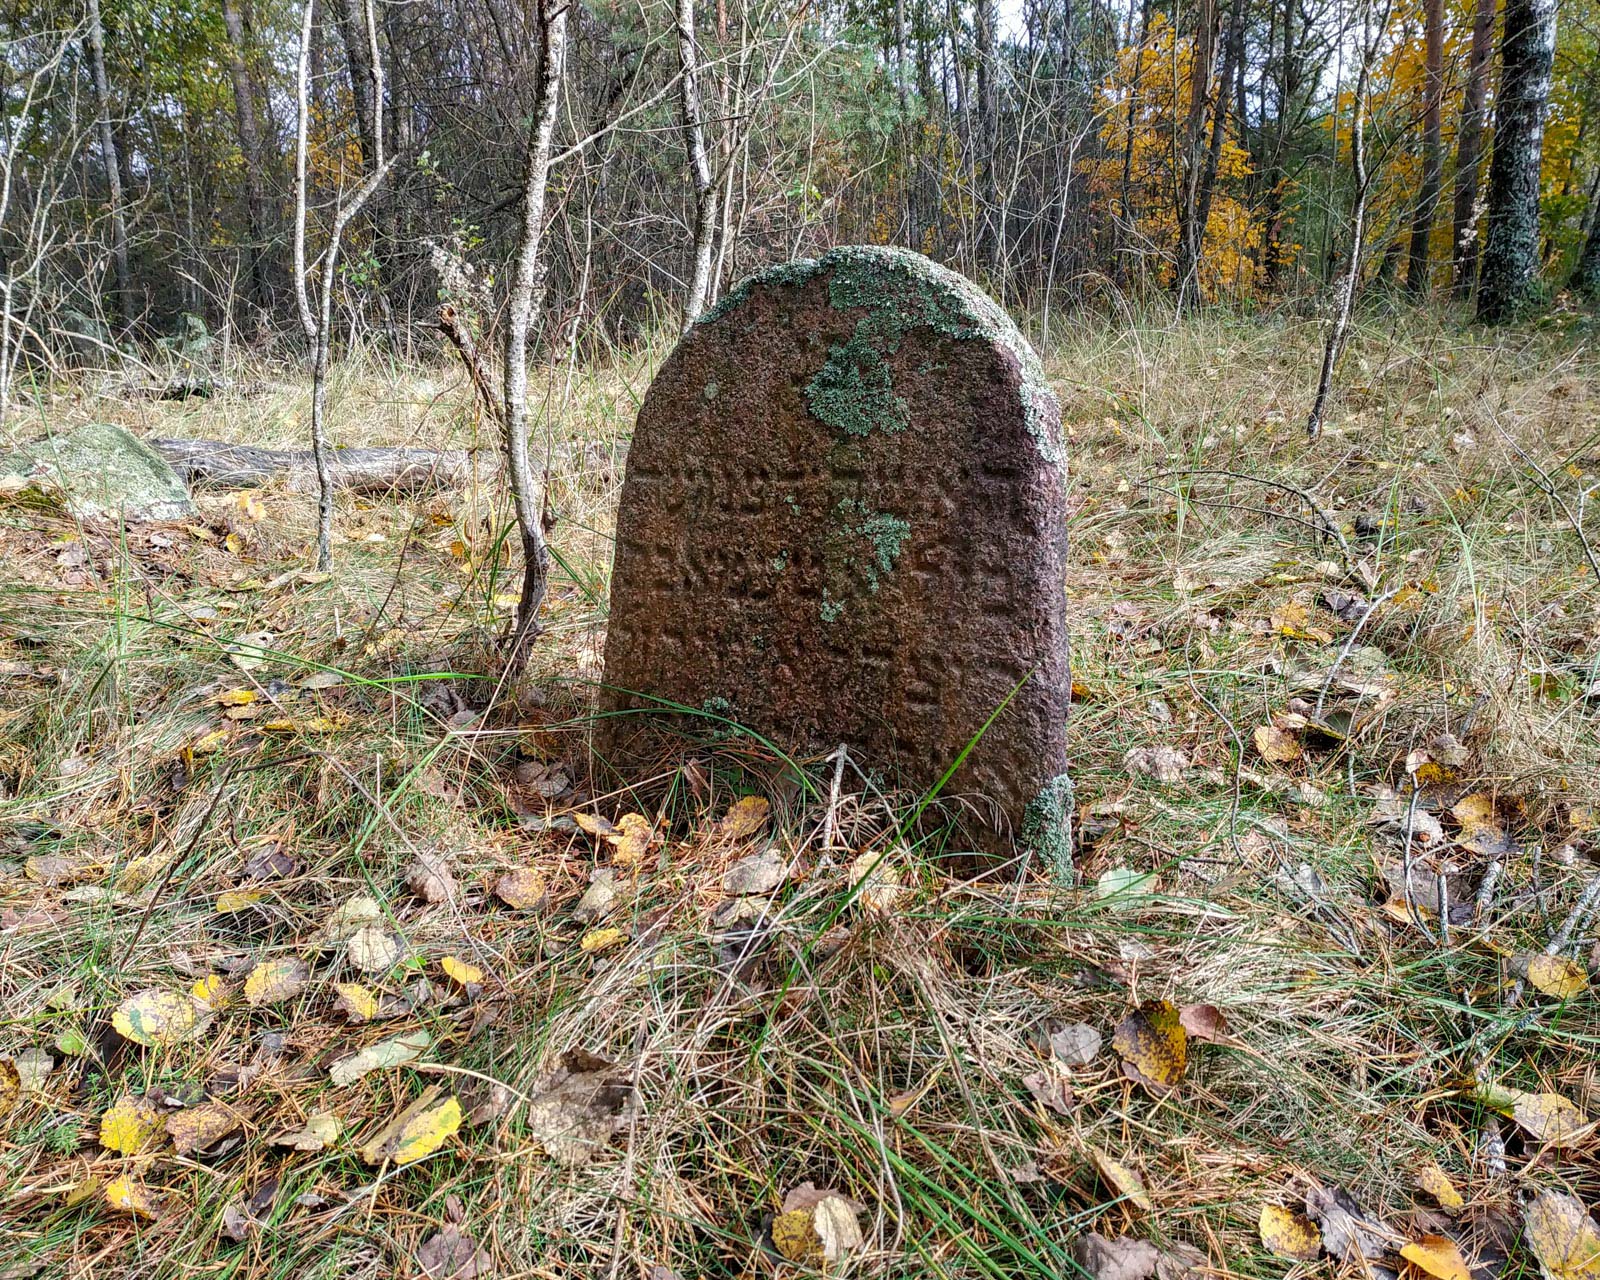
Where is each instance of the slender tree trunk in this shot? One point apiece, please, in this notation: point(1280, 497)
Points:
point(1585, 280)
point(1192, 247)
point(1124, 222)
point(1511, 249)
point(1432, 158)
point(700, 176)
point(318, 327)
point(1469, 151)
point(249, 127)
point(122, 304)
point(524, 306)
point(1190, 162)
point(1345, 298)
point(986, 21)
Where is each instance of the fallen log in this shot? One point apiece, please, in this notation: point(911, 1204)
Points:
point(213, 464)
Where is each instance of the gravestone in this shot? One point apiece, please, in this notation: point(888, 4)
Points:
point(843, 522)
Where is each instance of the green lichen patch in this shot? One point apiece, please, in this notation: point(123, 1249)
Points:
point(1047, 827)
point(832, 610)
point(854, 392)
point(864, 546)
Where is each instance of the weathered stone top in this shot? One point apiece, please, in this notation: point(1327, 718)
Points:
point(902, 290)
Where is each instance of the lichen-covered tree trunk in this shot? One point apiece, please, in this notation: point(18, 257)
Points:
point(524, 306)
point(1432, 150)
point(986, 20)
point(1469, 151)
point(1511, 250)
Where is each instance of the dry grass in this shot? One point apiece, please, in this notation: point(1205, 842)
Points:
point(878, 1052)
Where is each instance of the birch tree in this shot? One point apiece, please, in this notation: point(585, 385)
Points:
point(1511, 250)
point(524, 308)
point(317, 325)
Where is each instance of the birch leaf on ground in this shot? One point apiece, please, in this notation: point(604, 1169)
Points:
point(460, 971)
point(429, 878)
point(1562, 1236)
point(1436, 1182)
point(393, 1052)
point(345, 919)
point(1287, 1234)
point(1554, 976)
point(1438, 1256)
point(373, 949)
point(33, 1068)
point(1127, 1184)
point(202, 1127)
point(1276, 745)
point(155, 1018)
point(319, 1131)
point(744, 819)
point(274, 981)
point(1153, 1045)
point(10, 1086)
point(451, 1255)
point(521, 888)
point(129, 1124)
point(1550, 1118)
point(130, 1196)
point(817, 1226)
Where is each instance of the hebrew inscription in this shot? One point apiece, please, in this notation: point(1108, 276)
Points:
point(843, 521)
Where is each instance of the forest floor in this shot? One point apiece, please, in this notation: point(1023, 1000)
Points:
point(255, 820)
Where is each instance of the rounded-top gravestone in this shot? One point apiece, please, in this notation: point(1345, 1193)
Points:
point(843, 521)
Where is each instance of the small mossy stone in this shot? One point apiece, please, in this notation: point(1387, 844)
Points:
point(103, 472)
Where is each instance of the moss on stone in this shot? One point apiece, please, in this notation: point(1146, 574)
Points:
point(1047, 827)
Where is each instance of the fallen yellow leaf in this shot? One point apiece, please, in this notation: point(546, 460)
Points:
point(1562, 1236)
point(1287, 1234)
point(597, 940)
point(1438, 1256)
point(464, 973)
point(154, 1018)
point(129, 1124)
point(1277, 745)
point(134, 1197)
point(274, 981)
point(1127, 1184)
point(1153, 1044)
point(1436, 1182)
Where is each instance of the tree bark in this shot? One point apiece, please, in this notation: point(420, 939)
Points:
point(248, 124)
point(1469, 150)
point(986, 21)
point(700, 176)
point(1585, 281)
point(524, 307)
point(1432, 159)
point(95, 39)
point(1190, 164)
point(1191, 249)
point(216, 464)
point(1511, 249)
